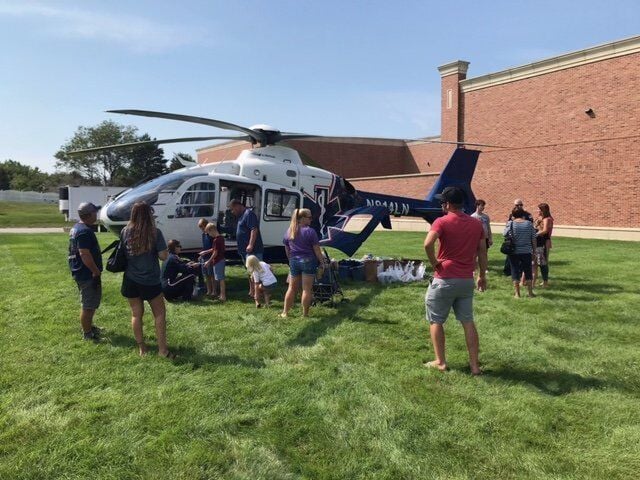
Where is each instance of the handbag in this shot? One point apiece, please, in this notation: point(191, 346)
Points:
point(117, 261)
point(508, 246)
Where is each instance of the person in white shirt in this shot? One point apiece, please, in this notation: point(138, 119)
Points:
point(263, 278)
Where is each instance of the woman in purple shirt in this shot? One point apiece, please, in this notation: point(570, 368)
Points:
point(303, 250)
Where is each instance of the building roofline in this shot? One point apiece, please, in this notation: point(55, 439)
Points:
point(598, 53)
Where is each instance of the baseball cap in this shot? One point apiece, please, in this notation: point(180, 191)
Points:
point(454, 195)
point(87, 207)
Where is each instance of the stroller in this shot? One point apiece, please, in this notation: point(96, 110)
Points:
point(327, 287)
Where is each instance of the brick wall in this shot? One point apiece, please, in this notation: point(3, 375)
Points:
point(581, 166)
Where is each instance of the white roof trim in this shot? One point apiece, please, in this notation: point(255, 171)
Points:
point(598, 53)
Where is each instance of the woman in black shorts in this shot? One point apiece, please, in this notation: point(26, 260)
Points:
point(141, 279)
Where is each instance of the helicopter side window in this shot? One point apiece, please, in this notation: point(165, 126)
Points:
point(197, 201)
point(280, 205)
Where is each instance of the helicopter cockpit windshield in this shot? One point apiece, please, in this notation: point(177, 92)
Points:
point(150, 193)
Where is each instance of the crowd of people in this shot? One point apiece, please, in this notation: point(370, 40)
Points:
point(463, 244)
point(182, 279)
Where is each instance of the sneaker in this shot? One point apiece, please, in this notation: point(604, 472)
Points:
point(91, 336)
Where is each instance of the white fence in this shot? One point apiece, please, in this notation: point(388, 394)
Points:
point(27, 197)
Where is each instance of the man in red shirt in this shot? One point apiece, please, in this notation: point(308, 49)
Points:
point(462, 239)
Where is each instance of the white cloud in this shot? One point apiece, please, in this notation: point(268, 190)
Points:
point(138, 34)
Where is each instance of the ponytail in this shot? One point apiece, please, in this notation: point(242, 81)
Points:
point(294, 226)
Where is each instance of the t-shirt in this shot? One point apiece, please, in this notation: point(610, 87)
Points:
point(486, 222)
point(266, 276)
point(207, 243)
point(459, 235)
point(218, 245)
point(144, 268)
point(523, 235)
point(82, 236)
point(302, 245)
point(247, 222)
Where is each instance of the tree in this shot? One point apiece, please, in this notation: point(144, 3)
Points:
point(176, 164)
point(146, 162)
point(98, 166)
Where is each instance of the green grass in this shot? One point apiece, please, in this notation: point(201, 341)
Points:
point(340, 395)
point(23, 214)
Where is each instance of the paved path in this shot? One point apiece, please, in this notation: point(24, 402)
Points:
point(32, 230)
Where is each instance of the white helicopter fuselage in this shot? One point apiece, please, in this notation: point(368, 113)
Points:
point(272, 180)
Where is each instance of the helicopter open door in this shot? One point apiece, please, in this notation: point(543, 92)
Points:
point(195, 199)
point(249, 194)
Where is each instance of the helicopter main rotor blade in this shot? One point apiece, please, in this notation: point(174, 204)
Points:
point(293, 136)
point(122, 146)
point(425, 140)
point(257, 136)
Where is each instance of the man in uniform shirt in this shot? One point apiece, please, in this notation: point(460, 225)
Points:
point(85, 263)
point(248, 235)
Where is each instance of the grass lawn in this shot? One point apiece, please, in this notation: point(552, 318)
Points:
point(340, 395)
point(23, 214)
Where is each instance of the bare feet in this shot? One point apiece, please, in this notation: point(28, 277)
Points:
point(142, 349)
point(435, 364)
point(283, 315)
point(476, 371)
point(168, 355)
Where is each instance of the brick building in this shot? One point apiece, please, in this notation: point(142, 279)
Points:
point(570, 126)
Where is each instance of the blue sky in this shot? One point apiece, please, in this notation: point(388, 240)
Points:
point(365, 68)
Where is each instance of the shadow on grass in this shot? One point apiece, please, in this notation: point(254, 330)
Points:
point(186, 355)
point(592, 287)
point(553, 383)
point(190, 356)
point(567, 296)
point(344, 311)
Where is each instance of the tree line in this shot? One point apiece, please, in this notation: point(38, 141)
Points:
point(122, 167)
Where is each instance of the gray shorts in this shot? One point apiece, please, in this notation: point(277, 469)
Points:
point(445, 293)
point(90, 293)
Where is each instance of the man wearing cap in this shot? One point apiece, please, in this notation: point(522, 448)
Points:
point(462, 240)
point(85, 263)
point(248, 235)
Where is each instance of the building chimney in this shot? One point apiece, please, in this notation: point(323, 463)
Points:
point(452, 110)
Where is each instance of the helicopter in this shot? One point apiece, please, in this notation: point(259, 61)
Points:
point(271, 179)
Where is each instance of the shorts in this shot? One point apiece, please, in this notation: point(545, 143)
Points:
point(269, 287)
point(243, 257)
point(208, 271)
point(90, 293)
point(218, 270)
point(521, 263)
point(303, 266)
point(445, 293)
point(132, 289)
